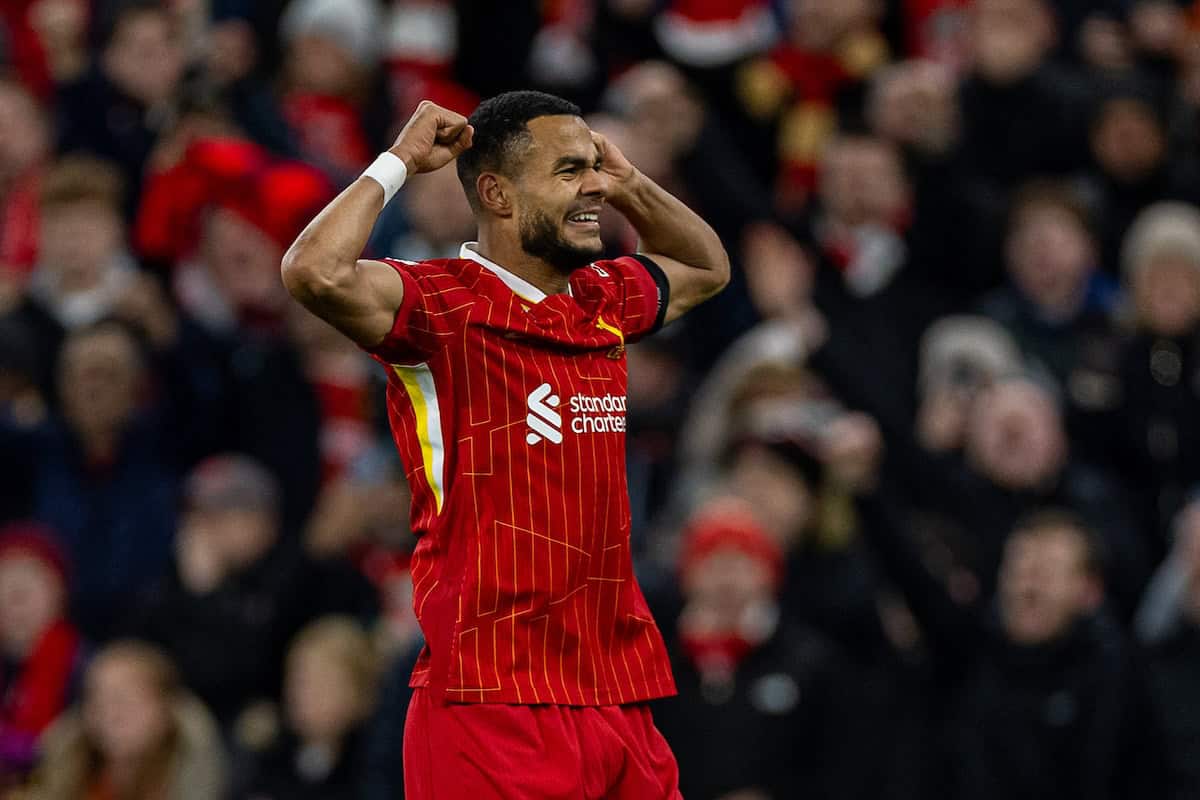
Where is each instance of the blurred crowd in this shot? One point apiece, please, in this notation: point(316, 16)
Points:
point(916, 500)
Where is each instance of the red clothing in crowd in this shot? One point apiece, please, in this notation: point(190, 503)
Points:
point(329, 130)
point(35, 695)
point(508, 409)
point(19, 224)
point(26, 53)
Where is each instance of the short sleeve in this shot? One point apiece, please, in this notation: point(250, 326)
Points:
point(414, 334)
point(642, 293)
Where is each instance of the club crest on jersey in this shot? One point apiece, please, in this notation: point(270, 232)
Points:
point(589, 414)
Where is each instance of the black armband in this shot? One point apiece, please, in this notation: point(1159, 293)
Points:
point(664, 289)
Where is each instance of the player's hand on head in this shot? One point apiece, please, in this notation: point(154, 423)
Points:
point(613, 164)
point(432, 138)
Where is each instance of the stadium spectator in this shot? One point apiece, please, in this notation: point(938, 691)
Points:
point(41, 650)
point(916, 105)
point(687, 145)
point(137, 733)
point(102, 474)
point(1039, 687)
point(1056, 306)
point(46, 41)
point(1022, 117)
point(762, 700)
point(1006, 137)
point(330, 688)
point(795, 89)
point(238, 591)
point(129, 96)
point(1154, 428)
point(83, 269)
point(333, 50)
point(1133, 165)
point(871, 299)
point(420, 45)
point(235, 70)
point(1016, 458)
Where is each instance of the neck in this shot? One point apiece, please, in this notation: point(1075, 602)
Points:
point(1062, 309)
point(99, 445)
point(508, 253)
point(124, 772)
point(329, 743)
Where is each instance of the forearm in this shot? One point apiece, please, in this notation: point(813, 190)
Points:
point(665, 225)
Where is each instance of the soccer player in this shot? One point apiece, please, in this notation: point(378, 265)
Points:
point(506, 398)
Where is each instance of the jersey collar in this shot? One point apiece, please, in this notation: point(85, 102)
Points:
point(519, 286)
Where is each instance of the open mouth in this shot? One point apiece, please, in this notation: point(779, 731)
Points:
point(589, 220)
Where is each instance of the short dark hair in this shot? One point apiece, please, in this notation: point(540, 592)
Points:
point(77, 178)
point(1042, 521)
point(142, 350)
point(129, 10)
point(1042, 193)
point(501, 133)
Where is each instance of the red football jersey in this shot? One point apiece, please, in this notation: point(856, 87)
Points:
point(508, 409)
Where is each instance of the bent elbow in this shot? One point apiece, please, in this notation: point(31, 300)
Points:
point(299, 277)
point(721, 274)
point(308, 278)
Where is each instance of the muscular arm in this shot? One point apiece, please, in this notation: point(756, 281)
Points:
point(322, 268)
point(675, 237)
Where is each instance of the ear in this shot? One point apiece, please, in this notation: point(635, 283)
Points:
point(495, 193)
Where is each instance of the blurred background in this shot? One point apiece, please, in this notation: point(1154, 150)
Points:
point(915, 500)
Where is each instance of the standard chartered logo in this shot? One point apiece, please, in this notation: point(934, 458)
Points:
point(589, 414)
point(544, 421)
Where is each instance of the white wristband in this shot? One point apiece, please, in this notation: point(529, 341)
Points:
point(389, 171)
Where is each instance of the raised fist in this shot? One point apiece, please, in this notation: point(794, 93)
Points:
point(432, 138)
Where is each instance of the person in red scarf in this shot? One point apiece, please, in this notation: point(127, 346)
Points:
point(332, 50)
point(795, 89)
point(762, 708)
point(40, 651)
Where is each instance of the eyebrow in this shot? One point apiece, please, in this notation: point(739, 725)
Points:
point(573, 161)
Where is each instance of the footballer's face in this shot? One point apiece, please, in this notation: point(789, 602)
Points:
point(560, 191)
